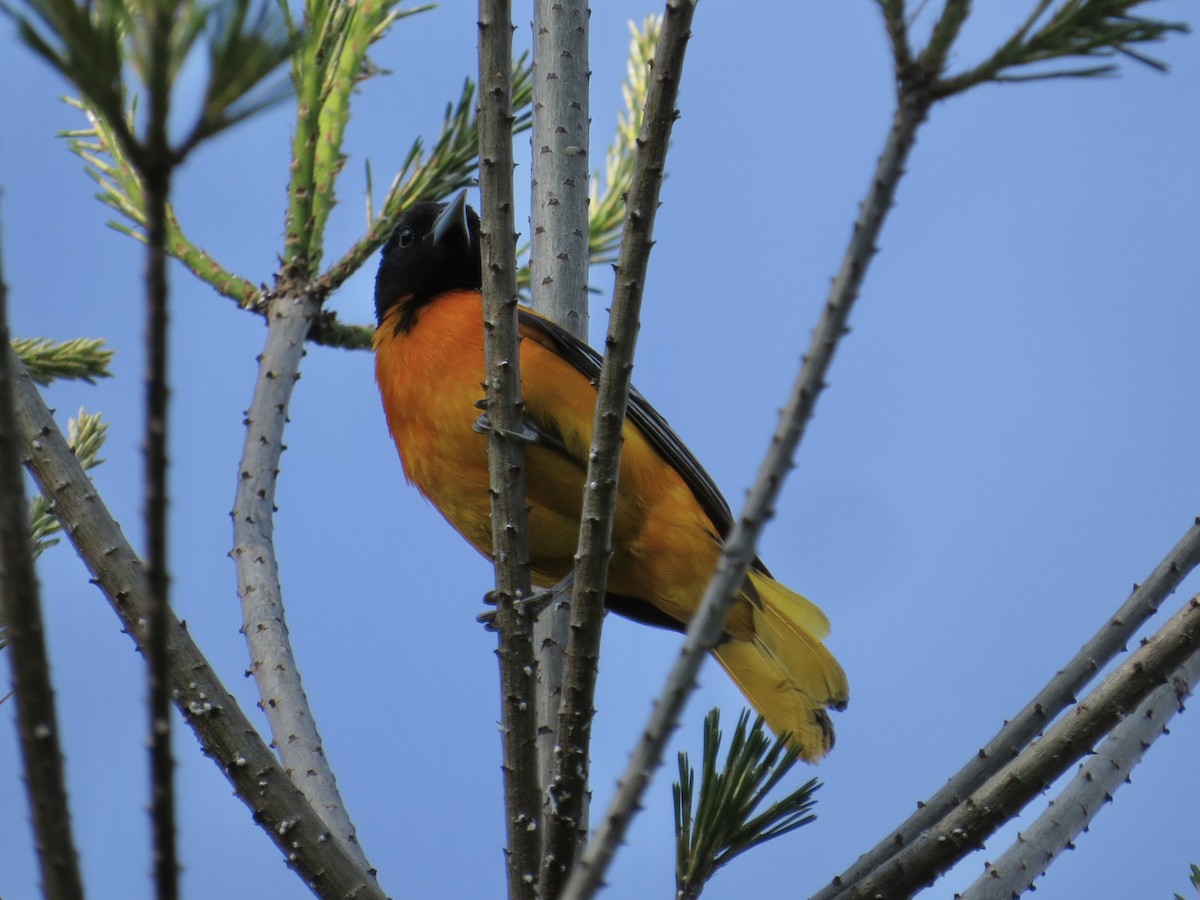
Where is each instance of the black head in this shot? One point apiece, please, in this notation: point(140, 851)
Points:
point(434, 248)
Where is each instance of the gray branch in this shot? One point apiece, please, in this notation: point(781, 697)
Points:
point(1057, 695)
point(506, 452)
point(604, 455)
point(739, 552)
point(1004, 794)
point(293, 728)
point(1092, 787)
point(558, 280)
point(224, 732)
point(37, 720)
point(559, 259)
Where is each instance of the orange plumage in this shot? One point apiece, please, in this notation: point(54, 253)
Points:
point(670, 518)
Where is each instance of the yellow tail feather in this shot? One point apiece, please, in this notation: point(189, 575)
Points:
point(784, 670)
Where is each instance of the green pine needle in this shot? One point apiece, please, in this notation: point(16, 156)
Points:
point(1089, 30)
point(85, 43)
point(121, 190)
point(721, 824)
point(80, 359)
point(245, 46)
point(607, 206)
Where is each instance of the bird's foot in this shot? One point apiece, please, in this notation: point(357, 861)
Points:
point(533, 605)
point(526, 435)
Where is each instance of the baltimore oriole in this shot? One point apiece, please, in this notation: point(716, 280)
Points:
point(671, 518)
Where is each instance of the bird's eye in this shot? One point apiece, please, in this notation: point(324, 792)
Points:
point(407, 236)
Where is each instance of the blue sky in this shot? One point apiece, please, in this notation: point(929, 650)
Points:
point(1008, 443)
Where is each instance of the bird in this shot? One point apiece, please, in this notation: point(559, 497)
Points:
point(671, 518)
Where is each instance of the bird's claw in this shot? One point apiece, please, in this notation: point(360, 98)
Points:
point(533, 605)
point(526, 435)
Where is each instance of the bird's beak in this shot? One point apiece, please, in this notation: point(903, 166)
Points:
point(452, 219)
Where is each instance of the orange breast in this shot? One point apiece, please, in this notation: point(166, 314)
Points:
point(431, 377)
point(429, 380)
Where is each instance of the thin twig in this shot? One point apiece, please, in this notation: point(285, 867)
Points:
point(1092, 787)
point(37, 720)
point(155, 169)
point(1006, 793)
point(705, 628)
point(506, 453)
point(272, 663)
point(224, 732)
point(897, 29)
point(558, 263)
point(1059, 693)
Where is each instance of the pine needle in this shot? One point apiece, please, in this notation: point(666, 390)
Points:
point(719, 825)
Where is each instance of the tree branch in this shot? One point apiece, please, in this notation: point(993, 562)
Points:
point(272, 663)
point(1006, 793)
point(155, 165)
point(224, 732)
point(1092, 787)
point(594, 550)
point(560, 140)
point(705, 628)
point(558, 263)
point(604, 459)
point(506, 453)
point(897, 29)
point(1057, 695)
point(85, 434)
point(308, 77)
point(37, 719)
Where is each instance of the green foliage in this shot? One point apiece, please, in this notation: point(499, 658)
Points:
point(90, 44)
point(46, 360)
point(84, 43)
point(1090, 29)
point(244, 47)
point(330, 60)
point(722, 824)
point(120, 189)
point(1195, 879)
point(607, 206)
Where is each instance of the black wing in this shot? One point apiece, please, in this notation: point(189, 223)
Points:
point(644, 416)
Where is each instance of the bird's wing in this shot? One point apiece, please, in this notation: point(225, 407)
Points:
point(644, 416)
